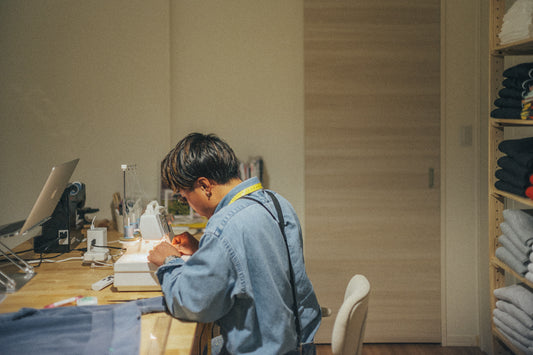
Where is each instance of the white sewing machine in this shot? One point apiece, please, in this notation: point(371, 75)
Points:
point(133, 271)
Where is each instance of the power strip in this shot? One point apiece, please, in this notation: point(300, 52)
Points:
point(96, 241)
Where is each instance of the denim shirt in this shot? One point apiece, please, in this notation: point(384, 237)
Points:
point(239, 277)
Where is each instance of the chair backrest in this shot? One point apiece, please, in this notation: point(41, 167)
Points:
point(349, 326)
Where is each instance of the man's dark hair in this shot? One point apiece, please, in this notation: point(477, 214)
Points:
point(199, 155)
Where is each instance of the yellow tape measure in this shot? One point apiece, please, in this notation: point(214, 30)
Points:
point(246, 191)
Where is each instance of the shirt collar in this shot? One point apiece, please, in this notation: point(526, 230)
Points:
point(243, 185)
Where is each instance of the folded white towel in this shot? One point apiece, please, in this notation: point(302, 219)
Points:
point(508, 258)
point(517, 294)
point(522, 223)
point(508, 333)
point(529, 276)
point(514, 324)
point(512, 333)
point(530, 267)
point(514, 238)
point(516, 22)
point(516, 312)
point(517, 253)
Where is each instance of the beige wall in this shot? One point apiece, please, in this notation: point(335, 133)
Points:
point(86, 80)
point(237, 70)
point(120, 81)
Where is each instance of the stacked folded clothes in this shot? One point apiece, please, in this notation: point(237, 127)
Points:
point(514, 99)
point(513, 315)
point(515, 173)
point(516, 241)
point(517, 22)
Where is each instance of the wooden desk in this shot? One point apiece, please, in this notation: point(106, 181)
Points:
point(57, 281)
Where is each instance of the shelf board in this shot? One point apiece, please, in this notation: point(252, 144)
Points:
point(524, 200)
point(523, 47)
point(498, 263)
point(504, 340)
point(504, 122)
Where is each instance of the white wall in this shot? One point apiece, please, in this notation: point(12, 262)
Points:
point(237, 71)
point(464, 234)
point(87, 79)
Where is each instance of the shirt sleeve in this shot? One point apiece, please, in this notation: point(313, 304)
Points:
point(203, 288)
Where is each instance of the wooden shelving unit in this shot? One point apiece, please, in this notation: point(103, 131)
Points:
point(497, 199)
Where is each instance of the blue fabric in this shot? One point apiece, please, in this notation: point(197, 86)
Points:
point(239, 278)
point(108, 329)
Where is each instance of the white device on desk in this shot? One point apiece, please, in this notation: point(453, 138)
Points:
point(96, 244)
point(133, 271)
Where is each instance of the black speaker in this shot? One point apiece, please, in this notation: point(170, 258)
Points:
point(62, 232)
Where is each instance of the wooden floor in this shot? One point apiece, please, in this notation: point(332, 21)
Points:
point(409, 349)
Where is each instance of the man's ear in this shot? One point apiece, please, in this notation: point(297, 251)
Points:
point(205, 184)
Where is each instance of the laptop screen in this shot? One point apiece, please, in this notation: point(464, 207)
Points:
point(46, 202)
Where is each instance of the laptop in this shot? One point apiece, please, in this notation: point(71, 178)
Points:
point(46, 202)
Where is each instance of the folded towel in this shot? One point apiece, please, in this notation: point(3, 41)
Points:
point(520, 150)
point(514, 324)
point(511, 93)
point(529, 192)
point(507, 187)
point(507, 257)
point(511, 336)
point(517, 83)
point(522, 223)
point(518, 170)
point(523, 71)
point(514, 238)
point(529, 276)
point(508, 176)
point(516, 313)
point(517, 253)
point(507, 112)
point(517, 294)
point(530, 267)
point(506, 102)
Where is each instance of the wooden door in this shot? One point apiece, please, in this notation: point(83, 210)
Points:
point(372, 142)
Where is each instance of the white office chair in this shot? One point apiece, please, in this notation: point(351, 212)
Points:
point(349, 326)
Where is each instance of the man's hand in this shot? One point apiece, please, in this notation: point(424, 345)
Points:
point(185, 243)
point(159, 253)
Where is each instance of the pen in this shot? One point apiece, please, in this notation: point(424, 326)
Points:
point(64, 302)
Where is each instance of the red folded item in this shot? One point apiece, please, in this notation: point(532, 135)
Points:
point(529, 192)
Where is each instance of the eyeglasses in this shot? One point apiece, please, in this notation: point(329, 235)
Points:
point(181, 199)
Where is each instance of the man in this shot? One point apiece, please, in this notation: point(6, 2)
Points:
point(239, 275)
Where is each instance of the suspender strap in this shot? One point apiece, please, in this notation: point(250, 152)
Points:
point(281, 224)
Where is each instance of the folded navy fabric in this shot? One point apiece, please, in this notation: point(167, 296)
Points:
point(510, 103)
point(107, 329)
point(521, 150)
point(517, 83)
point(512, 93)
point(507, 112)
point(507, 187)
point(520, 172)
point(510, 178)
point(522, 70)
